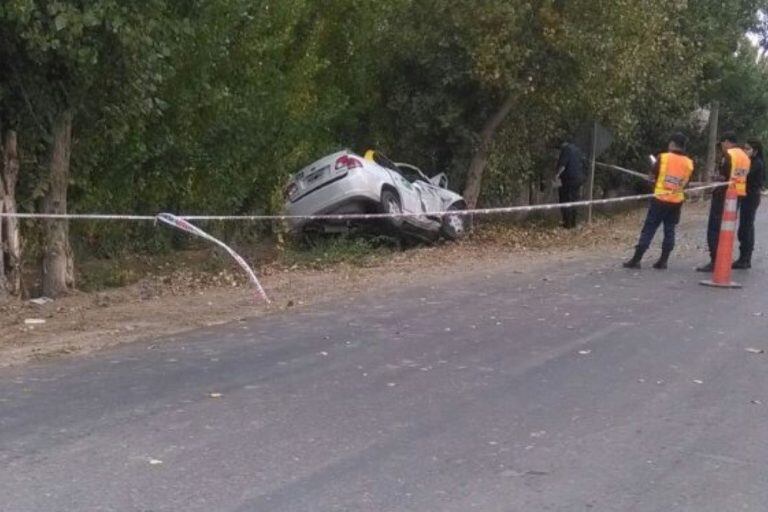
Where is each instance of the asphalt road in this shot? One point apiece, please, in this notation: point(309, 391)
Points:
point(590, 389)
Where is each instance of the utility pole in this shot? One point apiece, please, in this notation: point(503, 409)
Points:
point(592, 159)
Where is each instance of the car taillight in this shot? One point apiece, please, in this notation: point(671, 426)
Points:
point(290, 191)
point(348, 162)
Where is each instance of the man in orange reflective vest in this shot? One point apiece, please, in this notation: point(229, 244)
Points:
point(670, 174)
point(734, 167)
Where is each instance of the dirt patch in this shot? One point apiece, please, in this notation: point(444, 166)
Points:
point(187, 299)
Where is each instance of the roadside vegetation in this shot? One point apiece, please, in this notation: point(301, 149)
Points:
point(208, 107)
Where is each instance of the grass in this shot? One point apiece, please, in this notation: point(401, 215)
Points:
point(95, 275)
point(100, 275)
point(357, 250)
point(329, 251)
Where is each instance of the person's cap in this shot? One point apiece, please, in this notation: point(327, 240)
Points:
point(729, 137)
point(679, 139)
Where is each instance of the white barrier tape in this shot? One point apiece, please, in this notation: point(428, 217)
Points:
point(78, 216)
point(640, 175)
point(182, 222)
point(636, 174)
point(476, 211)
point(183, 225)
point(356, 216)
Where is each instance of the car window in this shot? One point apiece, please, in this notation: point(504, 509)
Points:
point(410, 174)
point(381, 160)
point(407, 171)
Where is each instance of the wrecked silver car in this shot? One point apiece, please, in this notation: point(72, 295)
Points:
point(347, 183)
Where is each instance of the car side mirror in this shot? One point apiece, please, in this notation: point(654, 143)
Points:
point(440, 180)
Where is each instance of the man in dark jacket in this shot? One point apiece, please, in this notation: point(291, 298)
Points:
point(570, 172)
point(749, 204)
point(725, 173)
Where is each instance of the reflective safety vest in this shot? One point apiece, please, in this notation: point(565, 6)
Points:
point(674, 172)
point(740, 164)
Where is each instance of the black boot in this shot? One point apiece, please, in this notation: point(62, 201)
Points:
point(743, 263)
point(662, 263)
point(635, 261)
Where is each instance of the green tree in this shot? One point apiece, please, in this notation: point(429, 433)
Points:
point(95, 63)
point(210, 106)
point(742, 93)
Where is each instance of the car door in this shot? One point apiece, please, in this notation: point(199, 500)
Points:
point(430, 197)
point(409, 194)
point(428, 194)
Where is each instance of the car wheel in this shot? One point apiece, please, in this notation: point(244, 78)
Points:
point(456, 226)
point(390, 203)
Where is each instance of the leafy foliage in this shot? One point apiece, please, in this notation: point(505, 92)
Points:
point(194, 106)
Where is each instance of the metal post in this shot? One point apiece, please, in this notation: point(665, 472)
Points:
point(592, 158)
point(710, 168)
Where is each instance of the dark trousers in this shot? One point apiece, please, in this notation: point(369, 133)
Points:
point(715, 219)
point(660, 213)
point(569, 193)
point(747, 212)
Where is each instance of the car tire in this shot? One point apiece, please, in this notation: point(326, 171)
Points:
point(390, 203)
point(456, 227)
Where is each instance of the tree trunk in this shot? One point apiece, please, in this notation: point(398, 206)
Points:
point(57, 256)
point(480, 160)
point(3, 281)
point(11, 237)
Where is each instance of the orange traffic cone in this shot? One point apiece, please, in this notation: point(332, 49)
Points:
point(721, 277)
